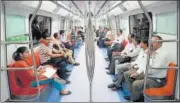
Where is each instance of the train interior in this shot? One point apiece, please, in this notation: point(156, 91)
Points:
point(90, 51)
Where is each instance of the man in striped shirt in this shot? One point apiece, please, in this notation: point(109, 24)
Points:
point(52, 57)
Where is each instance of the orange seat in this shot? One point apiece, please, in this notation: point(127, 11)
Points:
point(168, 89)
point(17, 88)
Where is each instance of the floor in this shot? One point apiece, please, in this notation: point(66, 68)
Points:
point(80, 83)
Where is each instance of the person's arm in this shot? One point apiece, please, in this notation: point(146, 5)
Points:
point(56, 51)
point(134, 53)
point(54, 55)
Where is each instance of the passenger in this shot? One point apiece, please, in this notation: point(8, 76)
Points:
point(156, 77)
point(116, 45)
point(49, 56)
point(60, 47)
point(140, 63)
point(129, 54)
point(27, 76)
point(64, 40)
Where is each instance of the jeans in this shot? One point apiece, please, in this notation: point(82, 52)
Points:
point(55, 84)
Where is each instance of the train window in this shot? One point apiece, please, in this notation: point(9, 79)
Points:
point(16, 28)
point(166, 23)
point(139, 25)
point(40, 25)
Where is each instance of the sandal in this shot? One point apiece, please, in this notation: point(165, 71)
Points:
point(63, 92)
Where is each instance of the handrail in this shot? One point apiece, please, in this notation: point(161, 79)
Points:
point(178, 37)
point(63, 7)
point(149, 47)
point(15, 42)
point(11, 68)
point(101, 7)
point(33, 56)
point(77, 7)
point(114, 7)
point(172, 40)
point(90, 52)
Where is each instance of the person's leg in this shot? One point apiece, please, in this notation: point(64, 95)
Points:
point(124, 67)
point(137, 87)
point(128, 82)
point(41, 82)
point(112, 64)
point(70, 58)
point(62, 70)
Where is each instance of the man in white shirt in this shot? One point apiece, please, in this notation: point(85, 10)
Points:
point(140, 62)
point(156, 77)
point(130, 48)
point(116, 44)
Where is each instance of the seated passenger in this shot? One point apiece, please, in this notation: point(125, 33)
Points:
point(67, 43)
point(140, 62)
point(58, 45)
point(116, 45)
point(51, 57)
point(126, 56)
point(156, 77)
point(27, 77)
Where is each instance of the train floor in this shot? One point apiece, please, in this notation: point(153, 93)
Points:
point(80, 84)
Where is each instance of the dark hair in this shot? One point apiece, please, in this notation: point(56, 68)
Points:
point(44, 36)
point(55, 35)
point(133, 36)
point(145, 41)
point(61, 32)
point(55, 46)
point(35, 21)
point(138, 40)
point(121, 31)
point(16, 55)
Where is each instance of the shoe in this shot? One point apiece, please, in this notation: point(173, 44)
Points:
point(76, 64)
point(59, 80)
point(107, 68)
point(116, 88)
point(111, 85)
point(107, 59)
point(114, 80)
point(68, 70)
point(68, 93)
point(127, 97)
point(67, 82)
point(109, 73)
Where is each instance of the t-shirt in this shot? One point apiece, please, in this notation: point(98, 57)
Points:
point(43, 50)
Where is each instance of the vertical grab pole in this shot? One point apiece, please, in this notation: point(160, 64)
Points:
point(32, 49)
point(178, 38)
point(89, 52)
point(149, 41)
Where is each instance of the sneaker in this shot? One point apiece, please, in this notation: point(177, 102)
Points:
point(59, 80)
point(116, 88)
point(67, 82)
point(111, 85)
point(76, 64)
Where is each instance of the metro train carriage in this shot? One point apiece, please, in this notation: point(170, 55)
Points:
point(90, 51)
